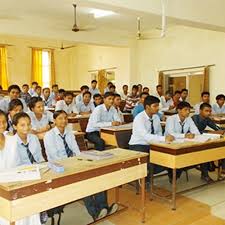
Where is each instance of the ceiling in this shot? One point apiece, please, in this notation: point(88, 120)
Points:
point(54, 19)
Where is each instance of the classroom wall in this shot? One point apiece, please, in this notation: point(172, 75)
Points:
point(182, 47)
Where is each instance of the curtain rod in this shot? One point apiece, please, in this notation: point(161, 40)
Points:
point(6, 45)
point(112, 68)
point(41, 48)
point(185, 68)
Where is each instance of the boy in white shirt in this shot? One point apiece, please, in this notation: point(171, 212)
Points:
point(85, 107)
point(219, 107)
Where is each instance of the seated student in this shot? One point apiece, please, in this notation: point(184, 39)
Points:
point(14, 93)
point(117, 104)
point(48, 101)
point(159, 91)
point(107, 88)
point(202, 120)
point(55, 91)
point(104, 115)
point(9, 158)
point(15, 106)
point(94, 90)
point(67, 104)
point(60, 95)
point(59, 144)
point(205, 99)
point(132, 99)
point(181, 125)
point(167, 102)
point(146, 90)
point(32, 90)
point(147, 128)
point(85, 107)
point(25, 94)
point(140, 106)
point(41, 120)
point(112, 89)
point(37, 92)
point(184, 95)
point(139, 89)
point(124, 93)
point(97, 100)
point(83, 89)
point(219, 107)
point(176, 98)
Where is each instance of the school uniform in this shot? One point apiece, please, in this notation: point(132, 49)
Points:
point(101, 117)
point(106, 90)
point(79, 98)
point(46, 119)
point(123, 95)
point(81, 107)
point(138, 109)
point(61, 105)
point(165, 105)
point(197, 108)
point(32, 92)
point(216, 109)
point(94, 91)
point(10, 124)
point(48, 103)
point(60, 146)
point(4, 104)
point(25, 96)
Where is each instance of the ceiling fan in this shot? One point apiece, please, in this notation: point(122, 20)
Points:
point(75, 27)
point(62, 47)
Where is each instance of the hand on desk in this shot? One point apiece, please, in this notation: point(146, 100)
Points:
point(169, 138)
point(116, 123)
point(189, 135)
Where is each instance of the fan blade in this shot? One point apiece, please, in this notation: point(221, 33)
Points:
point(71, 46)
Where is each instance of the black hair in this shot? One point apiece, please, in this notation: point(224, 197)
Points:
point(117, 95)
point(14, 103)
point(58, 112)
point(97, 95)
point(108, 94)
point(205, 93)
point(218, 97)
point(18, 116)
point(33, 102)
point(2, 113)
point(55, 85)
point(109, 83)
point(183, 90)
point(135, 87)
point(25, 85)
point(150, 99)
point(68, 93)
point(182, 105)
point(87, 92)
point(38, 87)
point(61, 91)
point(177, 92)
point(112, 86)
point(14, 86)
point(34, 82)
point(140, 85)
point(145, 88)
point(143, 93)
point(125, 85)
point(94, 81)
point(205, 105)
point(159, 85)
point(45, 89)
point(84, 87)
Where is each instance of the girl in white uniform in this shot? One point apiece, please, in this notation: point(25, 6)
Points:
point(9, 158)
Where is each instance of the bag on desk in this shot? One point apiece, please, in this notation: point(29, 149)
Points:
point(52, 212)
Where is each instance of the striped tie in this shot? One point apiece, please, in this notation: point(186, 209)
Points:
point(69, 152)
point(30, 155)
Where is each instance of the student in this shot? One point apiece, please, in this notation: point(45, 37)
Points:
point(14, 93)
point(205, 96)
point(108, 86)
point(132, 99)
point(59, 144)
point(181, 125)
point(32, 90)
point(159, 91)
point(147, 128)
point(176, 98)
point(104, 115)
point(37, 92)
point(202, 120)
point(112, 89)
point(48, 101)
point(140, 106)
point(184, 95)
point(167, 102)
point(85, 107)
point(94, 90)
point(15, 106)
point(219, 107)
point(67, 104)
point(117, 104)
point(139, 89)
point(41, 120)
point(60, 95)
point(146, 90)
point(98, 100)
point(55, 91)
point(25, 94)
point(83, 89)
point(124, 93)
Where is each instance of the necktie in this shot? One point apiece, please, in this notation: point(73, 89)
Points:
point(152, 126)
point(69, 152)
point(30, 155)
point(182, 127)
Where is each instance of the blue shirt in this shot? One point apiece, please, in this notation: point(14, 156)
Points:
point(81, 107)
point(34, 147)
point(54, 144)
point(4, 104)
point(137, 109)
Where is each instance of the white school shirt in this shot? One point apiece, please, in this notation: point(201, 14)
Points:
point(141, 131)
point(81, 107)
point(61, 105)
point(197, 107)
point(4, 104)
point(46, 118)
point(102, 117)
point(94, 91)
point(49, 102)
point(166, 104)
point(123, 96)
point(54, 145)
point(120, 114)
point(174, 127)
point(79, 98)
point(217, 110)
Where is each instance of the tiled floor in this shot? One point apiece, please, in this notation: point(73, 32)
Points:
point(205, 206)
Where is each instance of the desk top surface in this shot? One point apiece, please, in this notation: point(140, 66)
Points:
point(123, 127)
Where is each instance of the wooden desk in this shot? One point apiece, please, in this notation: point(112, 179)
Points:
point(82, 121)
point(80, 179)
point(117, 136)
point(218, 119)
point(128, 117)
point(177, 156)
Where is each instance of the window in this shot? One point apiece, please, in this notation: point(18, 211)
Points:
point(46, 69)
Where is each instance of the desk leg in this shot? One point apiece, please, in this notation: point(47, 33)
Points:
point(151, 182)
point(117, 195)
point(219, 170)
point(174, 182)
point(143, 199)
